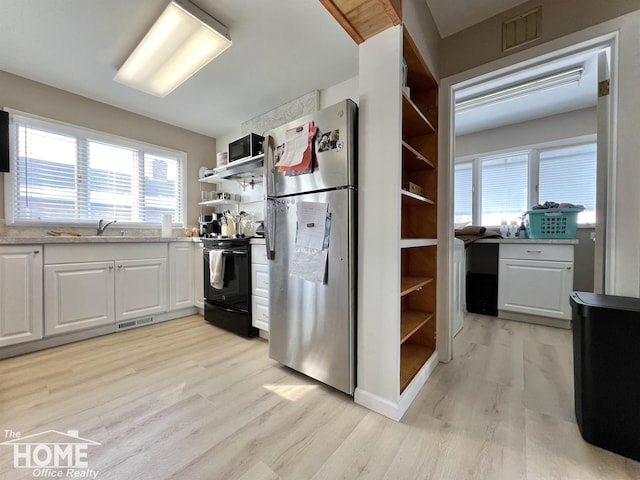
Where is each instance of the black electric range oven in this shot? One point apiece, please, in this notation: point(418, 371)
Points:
point(229, 307)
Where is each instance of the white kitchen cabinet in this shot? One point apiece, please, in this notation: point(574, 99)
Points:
point(87, 286)
point(181, 278)
point(535, 279)
point(20, 294)
point(78, 296)
point(140, 288)
point(198, 275)
point(259, 288)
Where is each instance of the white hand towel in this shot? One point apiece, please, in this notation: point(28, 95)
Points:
point(216, 269)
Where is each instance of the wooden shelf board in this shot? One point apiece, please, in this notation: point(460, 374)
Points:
point(418, 242)
point(411, 284)
point(413, 356)
point(415, 199)
point(414, 122)
point(417, 156)
point(412, 321)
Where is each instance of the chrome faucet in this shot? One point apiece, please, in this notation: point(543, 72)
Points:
point(103, 226)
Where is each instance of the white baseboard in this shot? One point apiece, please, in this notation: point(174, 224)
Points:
point(523, 317)
point(391, 409)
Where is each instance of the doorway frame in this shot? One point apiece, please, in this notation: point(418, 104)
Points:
point(590, 39)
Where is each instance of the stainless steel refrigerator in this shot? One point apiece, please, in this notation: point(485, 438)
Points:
point(312, 280)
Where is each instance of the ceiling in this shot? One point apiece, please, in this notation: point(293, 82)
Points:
point(281, 50)
point(536, 105)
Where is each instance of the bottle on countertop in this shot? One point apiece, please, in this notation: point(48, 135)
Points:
point(522, 231)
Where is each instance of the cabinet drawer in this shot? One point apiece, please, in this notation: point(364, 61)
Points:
point(260, 277)
point(260, 313)
point(537, 251)
point(259, 254)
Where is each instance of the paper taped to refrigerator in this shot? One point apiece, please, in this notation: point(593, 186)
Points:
point(296, 143)
point(309, 264)
point(311, 224)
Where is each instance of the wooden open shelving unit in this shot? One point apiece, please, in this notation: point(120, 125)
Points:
point(419, 216)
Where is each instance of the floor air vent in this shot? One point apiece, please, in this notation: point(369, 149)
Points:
point(139, 322)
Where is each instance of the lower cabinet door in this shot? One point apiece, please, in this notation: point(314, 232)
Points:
point(535, 287)
point(260, 313)
point(20, 294)
point(141, 287)
point(78, 296)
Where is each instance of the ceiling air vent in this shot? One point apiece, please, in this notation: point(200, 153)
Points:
point(523, 29)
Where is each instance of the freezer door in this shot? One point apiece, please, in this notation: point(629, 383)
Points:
point(312, 325)
point(335, 152)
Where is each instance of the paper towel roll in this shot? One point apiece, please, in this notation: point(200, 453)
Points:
point(167, 229)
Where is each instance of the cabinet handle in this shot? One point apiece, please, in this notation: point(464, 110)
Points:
point(36, 252)
point(568, 268)
point(119, 266)
point(534, 251)
point(110, 267)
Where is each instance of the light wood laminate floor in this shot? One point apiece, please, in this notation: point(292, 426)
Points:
point(185, 400)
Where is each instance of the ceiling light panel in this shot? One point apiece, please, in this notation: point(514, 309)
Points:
point(182, 41)
point(520, 90)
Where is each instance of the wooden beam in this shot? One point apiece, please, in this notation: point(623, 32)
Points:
point(362, 19)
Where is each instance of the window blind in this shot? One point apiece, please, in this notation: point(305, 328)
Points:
point(504, 188)
point(569, 175)
point(463, 201)
point(67, 174)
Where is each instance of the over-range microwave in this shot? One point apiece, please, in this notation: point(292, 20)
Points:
point(245, 147)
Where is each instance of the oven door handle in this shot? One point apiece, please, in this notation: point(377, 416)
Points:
point(235, 252)
point(220, 307)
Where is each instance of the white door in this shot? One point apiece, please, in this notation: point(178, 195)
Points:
point(535, 287)
point(140, 288)
point(181, 280)
point(20, 294)
point(77, 296)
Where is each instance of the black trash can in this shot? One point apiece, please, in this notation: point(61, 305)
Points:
point(606, 370)
point(482, 293)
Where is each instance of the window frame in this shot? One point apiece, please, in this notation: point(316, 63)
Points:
point(533, 173)
point(83, 134)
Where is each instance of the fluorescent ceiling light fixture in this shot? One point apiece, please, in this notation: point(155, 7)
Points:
point(182, 41)
point(515, 91)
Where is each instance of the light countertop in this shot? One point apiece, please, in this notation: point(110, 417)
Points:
point(68, 239)
point(552, 241)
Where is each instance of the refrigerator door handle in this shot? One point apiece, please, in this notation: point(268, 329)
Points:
point(268, 150)
point(270, 228)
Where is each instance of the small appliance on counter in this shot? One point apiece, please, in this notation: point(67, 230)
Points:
point(209, 225)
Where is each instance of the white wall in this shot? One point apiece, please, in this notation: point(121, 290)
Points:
point(544, 130)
